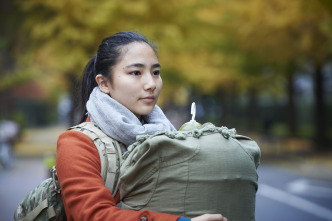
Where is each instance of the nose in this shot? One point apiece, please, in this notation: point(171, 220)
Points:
point(149, 82)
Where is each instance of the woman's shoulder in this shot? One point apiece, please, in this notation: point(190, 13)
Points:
point(73, 135)
point(75, 141)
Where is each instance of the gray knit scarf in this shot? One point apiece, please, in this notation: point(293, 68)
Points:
point(120, 123)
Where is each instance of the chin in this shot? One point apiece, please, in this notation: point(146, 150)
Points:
point(146, 111)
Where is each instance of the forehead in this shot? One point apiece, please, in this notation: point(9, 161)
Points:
point(137, 52)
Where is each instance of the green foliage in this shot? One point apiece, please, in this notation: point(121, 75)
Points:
point(207, 39)
point(306, 131)
point(279, 130)
point(49, 162)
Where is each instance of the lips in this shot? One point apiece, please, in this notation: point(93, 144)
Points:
point(148, 99)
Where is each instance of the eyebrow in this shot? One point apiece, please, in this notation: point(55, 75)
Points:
point(139, 65)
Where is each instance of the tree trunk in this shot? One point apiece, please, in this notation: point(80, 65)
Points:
point(8, 104)
point(231, 100)
point(320, 126)
point(291, 113)
point(221, 96)
point(252, 109)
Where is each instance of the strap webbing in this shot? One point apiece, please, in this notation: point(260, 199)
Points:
point(36, 211)
point(109, 152)
point(50, 212)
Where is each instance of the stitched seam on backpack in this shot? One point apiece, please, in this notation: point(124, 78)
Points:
point(156, 184)
point(185, 192)
point(250, 156)
point(196, 151)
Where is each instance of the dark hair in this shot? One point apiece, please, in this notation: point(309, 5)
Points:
point(107, 56)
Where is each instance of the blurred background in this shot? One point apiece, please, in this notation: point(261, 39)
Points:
point(262, 67)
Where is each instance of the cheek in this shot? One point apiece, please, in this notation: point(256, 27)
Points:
point(160, 85)
point(126, 86)
point(131, 89)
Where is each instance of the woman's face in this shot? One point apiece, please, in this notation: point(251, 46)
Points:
point(136, 81)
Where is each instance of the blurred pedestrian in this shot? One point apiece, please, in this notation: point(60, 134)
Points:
point(9, 131)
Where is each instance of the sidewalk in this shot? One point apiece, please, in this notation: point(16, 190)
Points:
point(297, 155)
point(38, 141)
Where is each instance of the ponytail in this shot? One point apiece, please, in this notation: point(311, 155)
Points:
point(88, 84)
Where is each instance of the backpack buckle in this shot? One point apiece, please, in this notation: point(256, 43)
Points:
point(55, 179)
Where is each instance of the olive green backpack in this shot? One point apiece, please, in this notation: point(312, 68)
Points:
point(189, 173)
point(45, 201)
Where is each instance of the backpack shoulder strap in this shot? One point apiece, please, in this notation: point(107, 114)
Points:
point(109, 152)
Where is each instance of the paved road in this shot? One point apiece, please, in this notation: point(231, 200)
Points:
point(282, 195)
point(26, 174)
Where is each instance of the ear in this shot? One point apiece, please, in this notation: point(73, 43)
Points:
point(103, 83)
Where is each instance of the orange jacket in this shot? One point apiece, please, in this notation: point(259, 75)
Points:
point(84, 194)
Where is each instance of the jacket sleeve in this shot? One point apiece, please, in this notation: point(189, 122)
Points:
point(84, 194)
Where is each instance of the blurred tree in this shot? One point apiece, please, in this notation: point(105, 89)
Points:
point(327, 4)
point(60, 36)
point(219, 47)
point(286, 36)
point(9, 47)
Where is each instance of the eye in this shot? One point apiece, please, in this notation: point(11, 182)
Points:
point(156, 72)
point(136, 73)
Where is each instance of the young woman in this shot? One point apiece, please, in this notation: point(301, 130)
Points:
point(120, 88)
